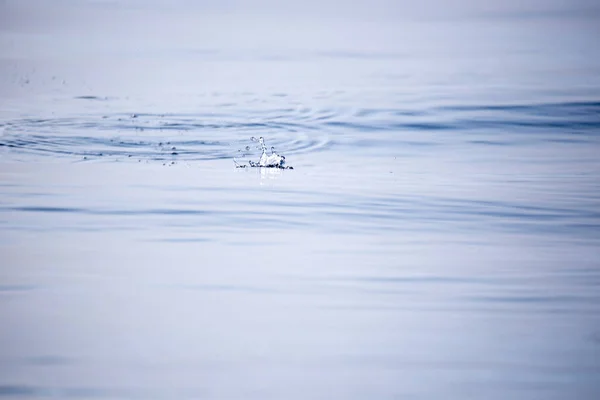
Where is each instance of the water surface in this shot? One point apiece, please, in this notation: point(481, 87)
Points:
point(438, 236)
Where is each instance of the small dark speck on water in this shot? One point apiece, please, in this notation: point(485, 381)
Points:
point(174, 153)
point(134, 116)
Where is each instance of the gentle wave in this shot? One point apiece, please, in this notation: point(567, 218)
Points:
point(296, 129)
point(349, 213)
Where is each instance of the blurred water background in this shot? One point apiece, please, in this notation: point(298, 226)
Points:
point(438, 237)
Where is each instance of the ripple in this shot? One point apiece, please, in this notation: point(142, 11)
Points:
point(154, 136)
point(28, 392)
point(296, 128)
point(343, 212)
point(16, 288)
point(91, 98)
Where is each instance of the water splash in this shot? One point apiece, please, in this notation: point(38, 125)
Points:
point(267, 160)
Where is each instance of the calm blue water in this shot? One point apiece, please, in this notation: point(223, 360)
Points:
point(438, 237)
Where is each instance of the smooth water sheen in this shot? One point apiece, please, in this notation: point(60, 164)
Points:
point(437, 238)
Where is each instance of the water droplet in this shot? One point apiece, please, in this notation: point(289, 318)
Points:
point(266, 160)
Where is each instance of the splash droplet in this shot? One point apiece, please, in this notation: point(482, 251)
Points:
point(266, 160)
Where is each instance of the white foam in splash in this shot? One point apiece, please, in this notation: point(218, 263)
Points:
point(272, 160)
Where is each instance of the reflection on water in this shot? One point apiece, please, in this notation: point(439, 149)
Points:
point(437, 237)
point(267, 174)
